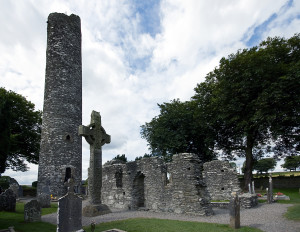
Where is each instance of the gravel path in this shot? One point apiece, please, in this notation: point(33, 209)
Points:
point(267, 217)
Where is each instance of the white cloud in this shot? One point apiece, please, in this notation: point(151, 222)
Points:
point(127, 72)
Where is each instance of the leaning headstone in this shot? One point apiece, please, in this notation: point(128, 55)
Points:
point(234, 211)
point(69, 216)
point(45, 200)
point(8, 201)
point(32, 211)
point(270, 191)
point(96, 136)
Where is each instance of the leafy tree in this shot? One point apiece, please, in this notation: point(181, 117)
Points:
point(121, 157)
point(291, 162)
point(20, 127)
point(144, 156)
point(264, 165)
point(177, 130)
point(253, 98)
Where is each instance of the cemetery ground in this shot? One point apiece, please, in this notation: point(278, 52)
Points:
point(141, 223)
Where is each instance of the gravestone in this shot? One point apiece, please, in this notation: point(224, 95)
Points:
point(96, 136)
point(20, 191)
point(69, 213)
point(8, 201)
point(32, 211)
point(234, 211)
point(270, 191)
point(45, 200)
point(15, 188)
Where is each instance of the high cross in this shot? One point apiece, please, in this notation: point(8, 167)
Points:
point(96, 136)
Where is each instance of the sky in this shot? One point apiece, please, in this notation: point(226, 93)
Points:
point(135, 54)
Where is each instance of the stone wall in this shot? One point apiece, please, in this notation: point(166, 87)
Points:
point(155, 185)
point(221, 179)
point(60, 153)
point(278, 182)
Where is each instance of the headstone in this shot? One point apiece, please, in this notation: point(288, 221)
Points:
point(8, 201)
point(234, 211)
point(45, 200)
point(20, 191)
point(253, 188)
point(69, 216)
point(270, 191)
point(15, 188)
point(32, 211)
point(249, 186)
point(96, 136)
point(61, 146)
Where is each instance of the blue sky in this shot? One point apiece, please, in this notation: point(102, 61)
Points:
point(135, 54)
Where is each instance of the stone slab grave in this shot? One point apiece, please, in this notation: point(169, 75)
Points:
point(96, 136)
point(8, 201)
point(32, 211)
point(10, 229)
point(69, 213)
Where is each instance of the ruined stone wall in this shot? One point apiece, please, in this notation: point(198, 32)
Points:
point(221, 179)
point(155, 185)
point(60, 154)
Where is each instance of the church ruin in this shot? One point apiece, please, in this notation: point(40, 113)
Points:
point(152, 184)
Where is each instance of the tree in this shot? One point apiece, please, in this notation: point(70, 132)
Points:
point(291, 162)
point(121, 157)
point(253, 98)
point(264, 165)
point(177, 130)
point(20, 127)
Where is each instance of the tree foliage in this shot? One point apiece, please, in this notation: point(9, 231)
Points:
point(177, 130)
point(253, 98)
point(265, 165)
point(121, 157)
point(248, 103)
point(20, 127)
point(291, 162)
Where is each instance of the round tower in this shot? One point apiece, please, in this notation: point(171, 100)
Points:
point(61, 146)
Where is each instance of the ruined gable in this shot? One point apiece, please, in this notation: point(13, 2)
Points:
point(221, 179)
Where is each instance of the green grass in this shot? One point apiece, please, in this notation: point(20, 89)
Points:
point(293, 213)
point(16, 219)
point(159, 225)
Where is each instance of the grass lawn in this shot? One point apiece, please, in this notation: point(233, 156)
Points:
point(16, 219)
point(159, 225)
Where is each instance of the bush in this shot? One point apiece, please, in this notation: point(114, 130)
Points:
point(34, 184)
point(29, 191)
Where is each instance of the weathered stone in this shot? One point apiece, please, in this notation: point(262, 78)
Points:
point(96, 136)
point(152, 184)
point(234, 211)
point(32, 211)
point(248, 200)
point(8, 201)
point(15, 188)
point(221, 179)
point(61, 146)
point(45, 200)
point(69, 216)
point(270, 191)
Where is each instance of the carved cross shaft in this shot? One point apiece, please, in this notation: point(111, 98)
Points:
point(96, 136)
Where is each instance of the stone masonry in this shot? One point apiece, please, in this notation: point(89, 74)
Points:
point(221, 179)
point(60, 153)
point(152, 184)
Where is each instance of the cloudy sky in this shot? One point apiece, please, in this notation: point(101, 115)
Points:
point(135, 54)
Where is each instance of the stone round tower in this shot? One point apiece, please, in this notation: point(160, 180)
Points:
point(61, 146)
